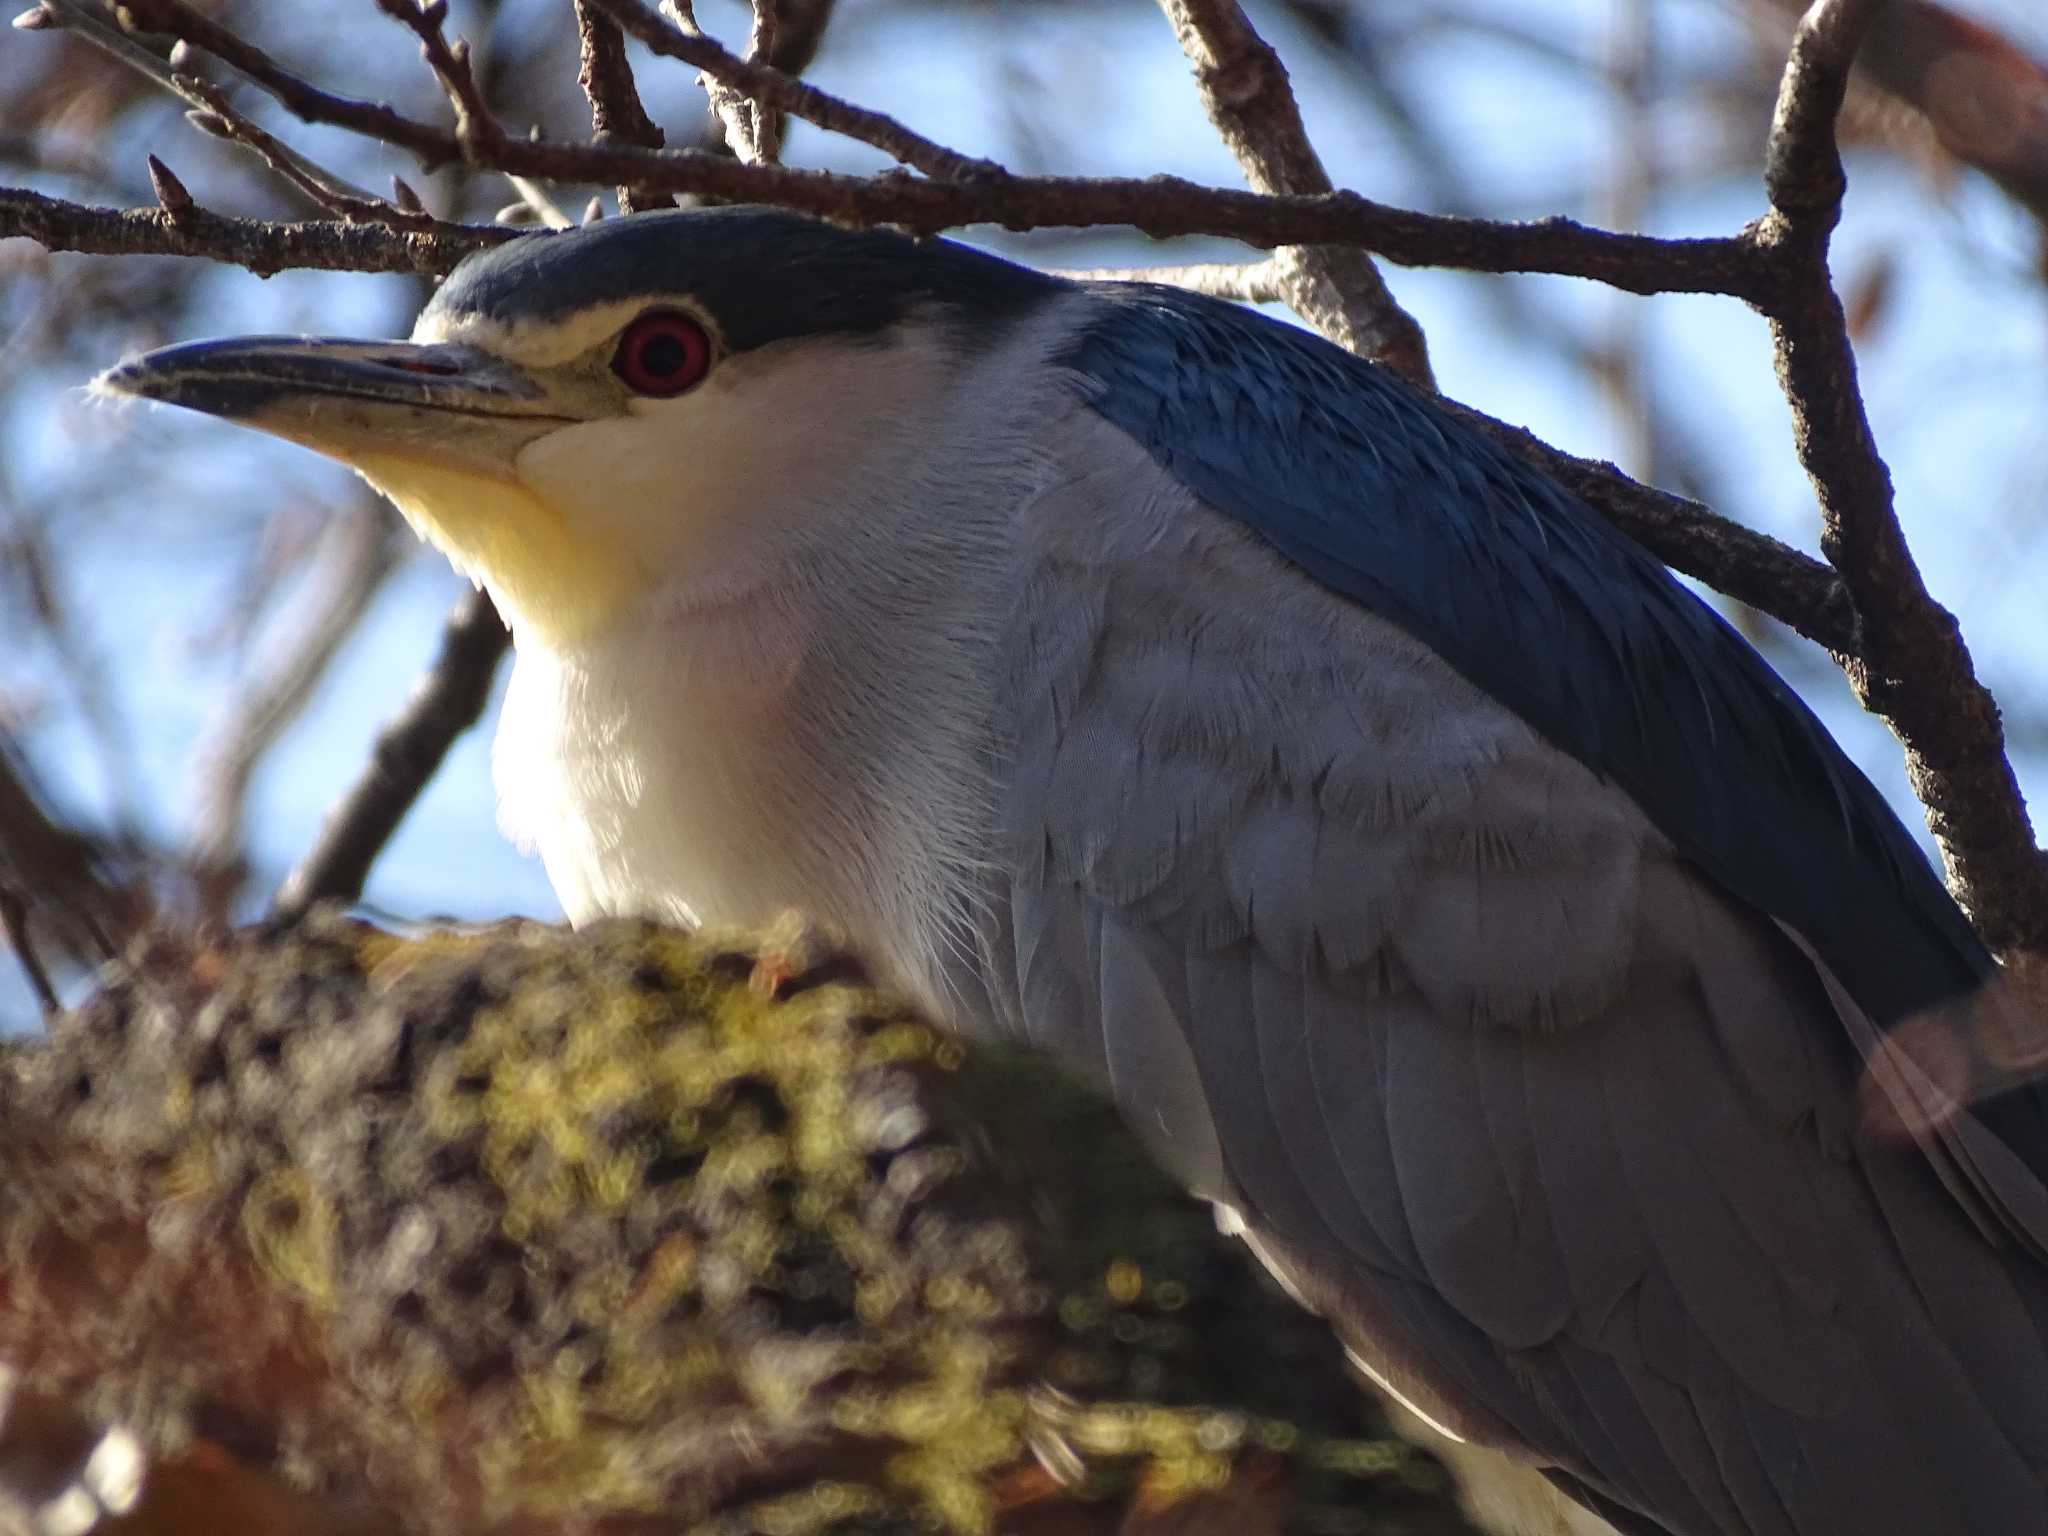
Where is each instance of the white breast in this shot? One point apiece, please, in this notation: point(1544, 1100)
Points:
point(723, 768)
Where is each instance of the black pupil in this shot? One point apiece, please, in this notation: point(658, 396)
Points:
point(663, 354)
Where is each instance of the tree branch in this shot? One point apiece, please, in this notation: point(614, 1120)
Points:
point(607, 80)
point(740, 118)
point(477, 129)
point(1160, 206)
point(449, 699)
point(1913, 668)
point(14, 928)
point(263, 247)
point(772, 88)
point(768, 122)
point(1244, 87)
point(213, 114)
point(1985, 99)
point(67, 892)
point(434, 146)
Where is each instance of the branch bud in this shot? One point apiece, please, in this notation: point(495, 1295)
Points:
point(170, 192)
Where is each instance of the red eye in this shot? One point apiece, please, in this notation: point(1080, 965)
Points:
point(663, 353)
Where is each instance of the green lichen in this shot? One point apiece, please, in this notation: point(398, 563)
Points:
point(636, 1222)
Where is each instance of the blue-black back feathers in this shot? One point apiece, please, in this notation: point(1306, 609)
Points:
point(1382, 496)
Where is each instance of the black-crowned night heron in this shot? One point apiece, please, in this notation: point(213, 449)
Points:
point(1436, 883)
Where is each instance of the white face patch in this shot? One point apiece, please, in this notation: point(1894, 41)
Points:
point(711, 490)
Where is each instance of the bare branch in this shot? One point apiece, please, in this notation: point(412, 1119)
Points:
point(1913, 668)
point(1244, 87)
point(772, 88)
point(257, 244)
point(739, 116)
point(607, 80)
point(433, 145)
point(1984, 97)
point(448, 699)
point(1161, 206)
point(212, 113)
point(534, 206)
point(320, 187)
point(768, 122)
point(476, 128)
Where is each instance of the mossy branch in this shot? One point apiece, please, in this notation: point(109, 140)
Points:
point(633, 1230)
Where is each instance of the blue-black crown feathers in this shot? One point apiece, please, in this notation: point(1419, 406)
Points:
point(762, 274)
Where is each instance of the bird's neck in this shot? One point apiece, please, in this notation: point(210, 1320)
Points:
point(816, 736)
point(805, 715)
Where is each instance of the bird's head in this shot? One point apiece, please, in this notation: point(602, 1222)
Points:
point(579, 417)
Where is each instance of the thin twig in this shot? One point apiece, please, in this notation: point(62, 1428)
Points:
point(324, 190)
point(768, 122)
point(772, 88)
point(448, 700)
point(1244, 86)
point(213, 114)
point(739, 115)
point(607, 80)
point(477, 129)
point(1913, 668)
point(433, 145)
point(535, 206)
point(752, 129)
point(1160, 206)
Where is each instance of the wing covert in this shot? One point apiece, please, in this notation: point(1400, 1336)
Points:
point(1507, 1084)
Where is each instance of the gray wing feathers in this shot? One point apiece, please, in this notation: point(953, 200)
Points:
point(1520, 1099)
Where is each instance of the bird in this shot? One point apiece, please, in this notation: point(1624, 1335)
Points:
point(1438, 885)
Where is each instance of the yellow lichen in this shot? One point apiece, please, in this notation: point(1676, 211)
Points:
point(600, 1225)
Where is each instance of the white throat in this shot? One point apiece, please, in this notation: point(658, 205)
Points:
point(811, 730)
